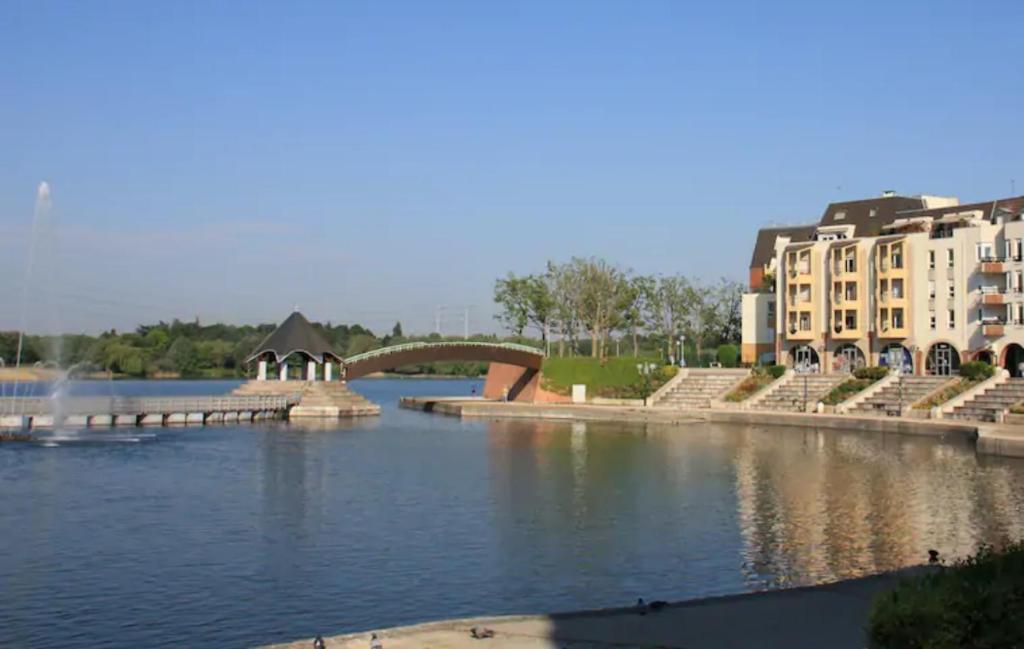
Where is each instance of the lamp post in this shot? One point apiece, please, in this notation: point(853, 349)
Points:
point(682, 355)
point(803, 369)
point(645, 370)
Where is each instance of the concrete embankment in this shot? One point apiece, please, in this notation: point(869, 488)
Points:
point(1005, 440)
point(830, 615)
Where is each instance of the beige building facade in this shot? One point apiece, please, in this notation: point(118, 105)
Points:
point(921, 281)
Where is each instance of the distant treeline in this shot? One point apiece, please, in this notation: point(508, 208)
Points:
point(191, 349)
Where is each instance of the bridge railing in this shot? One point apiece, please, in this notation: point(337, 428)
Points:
point(145, 405)
point(404, 347)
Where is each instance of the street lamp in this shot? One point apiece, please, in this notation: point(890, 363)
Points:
point(645, 370)
point(682, 355)
point(803, 368)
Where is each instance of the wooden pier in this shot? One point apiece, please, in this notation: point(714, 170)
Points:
point(84, 412)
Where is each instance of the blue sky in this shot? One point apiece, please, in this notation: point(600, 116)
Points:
point(369, 161)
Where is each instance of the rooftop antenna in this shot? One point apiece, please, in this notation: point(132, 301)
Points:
point(437, 319)
point(1013, 187)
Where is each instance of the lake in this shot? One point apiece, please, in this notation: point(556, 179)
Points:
point(239, 535)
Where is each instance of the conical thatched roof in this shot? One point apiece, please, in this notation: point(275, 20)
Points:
point(295, 335)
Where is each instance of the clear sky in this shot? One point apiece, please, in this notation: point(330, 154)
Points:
point(368, 161)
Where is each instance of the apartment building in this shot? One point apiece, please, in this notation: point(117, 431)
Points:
point(921, 281)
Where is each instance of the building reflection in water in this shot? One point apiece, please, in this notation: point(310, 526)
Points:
point(816, 506)
point(773, 506)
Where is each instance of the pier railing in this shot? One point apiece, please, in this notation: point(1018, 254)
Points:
point(145, 405)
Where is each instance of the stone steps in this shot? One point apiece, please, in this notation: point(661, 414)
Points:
point(915, 388)
point(699, 390)
point(789, 396)
point(318, 399)
point(991, 404)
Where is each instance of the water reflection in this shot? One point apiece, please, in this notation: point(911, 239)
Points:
point(778, 507)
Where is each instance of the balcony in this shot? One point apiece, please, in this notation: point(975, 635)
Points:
point(993, 328)
point(993, 299)
point(993, 265)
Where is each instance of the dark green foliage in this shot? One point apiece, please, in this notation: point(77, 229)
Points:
point(977, 370)
point(873, 373)
point(728, 355)
point(975, 603)
point(776, 370)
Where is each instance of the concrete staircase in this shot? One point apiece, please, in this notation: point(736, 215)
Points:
point(991, 404)
point(699, 388)
point(887, 399)
point(317, 398)
point(789, 396)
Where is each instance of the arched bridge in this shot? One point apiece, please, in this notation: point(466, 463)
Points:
point(387, 358)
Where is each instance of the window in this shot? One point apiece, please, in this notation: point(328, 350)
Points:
point(1018, 249)
point(984, 251)
point(951, 290)
point(850, 263)
point(851, 320)
point(771, 316)
point(981, 314)
point(952, 319)
point(805, 321)
point(883, 290)
point(883, 318)
point(931, 320)
point(931, 259)
point(931, 289)
point(872, 212)
point(837, 320)
point(840, 216)
point(851, 291)
point(949, 258)
point(897, 255)
point(897, 318)
point(897, 289)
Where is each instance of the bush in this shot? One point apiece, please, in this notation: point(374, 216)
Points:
point(776, 370)
point(974, 603)
point(845, 390)
point(977, 370)
point(728, 355)
point(873, 373)
point(668, 372)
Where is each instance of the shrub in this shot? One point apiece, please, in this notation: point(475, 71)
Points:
point(669, 371)
point(728, 355)
point(945, 394)
point(845, 390)
point(757, 380)
point(977, 370)
point(974, 603)
point(873, 373)
point(776, 370)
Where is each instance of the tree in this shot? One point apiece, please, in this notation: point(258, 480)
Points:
point(601, 288)
point(510, 296)
point(666, 307)
point(183, 356)
point(634, 297)
point(396, 331)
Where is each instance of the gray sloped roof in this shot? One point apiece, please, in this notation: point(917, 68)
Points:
point(293, 335)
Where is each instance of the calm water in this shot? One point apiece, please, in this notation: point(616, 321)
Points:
point(234, 536)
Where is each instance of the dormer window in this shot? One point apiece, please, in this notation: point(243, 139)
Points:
point(841, 215)
point(872, 212)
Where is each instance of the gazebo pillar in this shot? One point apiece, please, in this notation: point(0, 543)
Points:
point(311, 371)
point(328, 370)
point(262, 372)
point(284, 370)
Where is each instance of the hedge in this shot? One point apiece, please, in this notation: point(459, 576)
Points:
point(977, 603)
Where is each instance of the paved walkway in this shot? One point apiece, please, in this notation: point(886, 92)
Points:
point(832, 615)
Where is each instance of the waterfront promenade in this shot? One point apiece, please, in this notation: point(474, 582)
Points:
point(830, 615)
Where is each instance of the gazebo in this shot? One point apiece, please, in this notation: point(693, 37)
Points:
point(295, 337)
